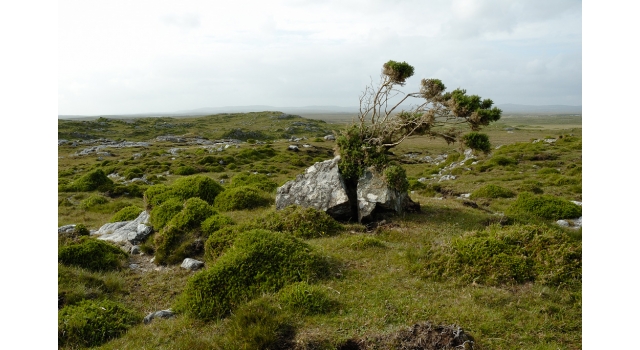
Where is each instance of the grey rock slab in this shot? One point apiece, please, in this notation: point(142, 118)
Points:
point(374, 195)
point(330, 137)
point(321, 187)
point(133, 231)
point(191, 264)
point(158, 314)
point(66, 228)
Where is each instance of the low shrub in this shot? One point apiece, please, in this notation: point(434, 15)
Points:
point(548, 171)
point(503, 160)
point(300, 222)
point(184, 188)
point(544, 206)
point(415, 185)
point(259, 262)
point(132, 173)
point(214, 223)
point(396, 177)
point(477, 141)
point(185, 170)
point(161, 214)
point(531, 186)
point(242, 197)
point(259, 325)
point(258, 181)
point(93, 322)
point(507, 255)
point(93, 180)
point(92, 254)
point(181, 237)
point(492, 191)
point(130, 190)
point(306, 299)
point(219, 241)
point(126, 214)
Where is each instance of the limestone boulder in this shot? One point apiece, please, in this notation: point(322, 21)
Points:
point(133, 232)
point(321, 187)
point(191, 264)
point(375, 196)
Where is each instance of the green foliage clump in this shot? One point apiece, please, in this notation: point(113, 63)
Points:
point(208, 160)
point(81, 230)
point(532, 186)
point(126, 214)
point(132, 173)
point(503, 160)
point(306, 299)
point(259, 181)
point(396, 178)
point(185, 170)
point(477, 141)
point(363, 242)
point(219, 241)
point(492, 191)
point(240, 198)
point(184, 188)
point(179, 239)
point(76, 284)
point(92, 254)
point(300, 222)
point(356, 155)
point(161, 214)
point(548, 171)
point(214, 223)
point(507, 255)
point(398, 72)
point(259, 325)
point(543, 206)
point(93, 180)
point(93, 322)
point(259, 262)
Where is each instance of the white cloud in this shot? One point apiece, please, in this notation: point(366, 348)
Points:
point(129, 57)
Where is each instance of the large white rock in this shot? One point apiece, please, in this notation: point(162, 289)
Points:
point(134, 231)
point(374, 195)
point(191, 264)
point(321, 187)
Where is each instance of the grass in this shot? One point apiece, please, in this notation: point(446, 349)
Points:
point(375, 287)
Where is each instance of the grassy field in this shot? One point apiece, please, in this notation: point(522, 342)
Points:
point(383, 277)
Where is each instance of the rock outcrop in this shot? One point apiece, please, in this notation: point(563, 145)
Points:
point(375, 196)
point(158, 314)
point(321, 187)
point(192, 264)
point(134, 231)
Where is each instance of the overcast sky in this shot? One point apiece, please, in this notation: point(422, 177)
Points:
point(118, 57)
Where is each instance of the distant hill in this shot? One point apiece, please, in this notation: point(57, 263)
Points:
point(509, 108)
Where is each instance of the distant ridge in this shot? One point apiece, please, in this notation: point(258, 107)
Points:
point(507, 108)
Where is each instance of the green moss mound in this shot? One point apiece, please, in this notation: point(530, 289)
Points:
point(218, 242)
point(215, 223)
point(91, 323)
point(92, 201)
point(126, 214)
point(242, 197)
point(492, 191)
point(258, 181)
point(92, 254)
point(396, 178)
point(163, 213)
point(507, 255)
point(93, 180)
point(300, 222)
point(543, 206)
point(184, 188)
point(181, 238)
point(259, 262)
point(306, 299)
point(259, 325)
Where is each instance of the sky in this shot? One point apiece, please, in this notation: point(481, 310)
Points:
point(119, 57)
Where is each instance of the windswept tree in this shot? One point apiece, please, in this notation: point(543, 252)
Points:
point(382, 124)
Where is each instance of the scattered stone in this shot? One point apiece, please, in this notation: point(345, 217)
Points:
point(321, 187)
point(306, 145)
point(447, 177)
point(135, 250)
point(66, 228)
point(62, 142)
point(134, 266)
point(422, 179)
point(170, 138)
point(465, 195)
point(330, 137)
point(293, 148)
point(191, 264)
point(577, 203)
point(158, 314)
point(134, 231)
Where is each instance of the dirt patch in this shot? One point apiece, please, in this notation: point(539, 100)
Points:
point(422, 336)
